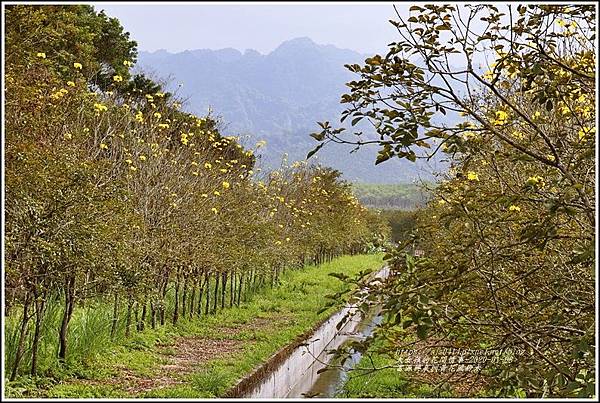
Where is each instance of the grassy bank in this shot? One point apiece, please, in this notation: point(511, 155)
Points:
point(387, 382)
point(384, 383)
point(200, 357)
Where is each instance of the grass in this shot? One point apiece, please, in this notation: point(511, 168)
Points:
point(385, 383)
point(258, 328)
point(365, 382)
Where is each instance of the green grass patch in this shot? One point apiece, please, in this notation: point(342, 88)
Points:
point(363, 382)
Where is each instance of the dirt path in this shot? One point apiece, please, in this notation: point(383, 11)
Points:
point(185, 355)
point(182, 358)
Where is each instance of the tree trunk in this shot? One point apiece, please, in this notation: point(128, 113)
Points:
point(203, 287)
point(69, 304)
point(184, 299)
point(142, 322)
point(207, 296)
point(162, 302)
point(240, 288)
point(193, 298)
point(130, 302)
point(216, 294)
point(232, 285)
point(115, 317)
point(176, 310)
point(223, 289)
point(153, 314)
point(22, 336)
point(136, 315)
point(39, 305)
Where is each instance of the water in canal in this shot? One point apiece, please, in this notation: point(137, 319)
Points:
point(297, 376)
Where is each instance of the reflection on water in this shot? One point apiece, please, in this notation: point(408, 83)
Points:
point(330, 382)
point(297, 376)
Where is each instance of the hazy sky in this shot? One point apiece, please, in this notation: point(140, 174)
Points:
point(363, 27)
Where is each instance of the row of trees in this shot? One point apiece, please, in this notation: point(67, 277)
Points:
point(116, 196)
point(508, 236)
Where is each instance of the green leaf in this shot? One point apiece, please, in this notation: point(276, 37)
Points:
point(356, 120)
point(314, 151)
point(318, 136)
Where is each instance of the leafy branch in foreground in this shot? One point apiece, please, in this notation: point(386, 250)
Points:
point(507, 239)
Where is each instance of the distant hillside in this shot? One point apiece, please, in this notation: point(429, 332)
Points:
point(277, 97)
point(389, 196)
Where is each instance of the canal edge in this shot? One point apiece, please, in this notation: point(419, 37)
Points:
point(257, 375)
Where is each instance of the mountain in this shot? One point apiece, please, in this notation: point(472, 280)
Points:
point(277, 97)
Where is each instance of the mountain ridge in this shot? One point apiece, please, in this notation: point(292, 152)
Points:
point(278, 97)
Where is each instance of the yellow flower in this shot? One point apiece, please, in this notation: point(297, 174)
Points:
point(149, 97)
point(501, 117)
point(129, 161)
point(287, 239)
point(160, 94)
point(142, 158)
point(583, 133)
point(77, 65)
point(100, 108)
point(472, 176)
point(139, 116)
point(535, 180)
point(157, 115)
point(223, 170)
point(103, 146)
point(518, 135)
point(41, 54)
point(216, 192)
point(70, 83)
point(132, 168)
point(225, 185)
point(204, 195)
point(127, 63)
point(214, 210)
point(514, 208)
point(165, 126)
point(195, 173)
point(117, 78)
point(207, 165)
point(68, 136)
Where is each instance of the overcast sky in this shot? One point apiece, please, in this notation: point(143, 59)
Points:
point(362, 27)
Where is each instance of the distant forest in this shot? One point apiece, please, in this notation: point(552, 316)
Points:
point(404, 196)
